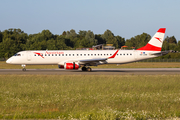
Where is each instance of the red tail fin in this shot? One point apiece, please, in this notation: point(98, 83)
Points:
point(155, 44)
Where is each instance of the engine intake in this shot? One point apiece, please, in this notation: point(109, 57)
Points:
point(60, 66)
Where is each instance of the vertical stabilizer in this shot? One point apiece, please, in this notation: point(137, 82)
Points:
point(155, 44)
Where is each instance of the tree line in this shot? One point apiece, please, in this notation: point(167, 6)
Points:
point(15, 40)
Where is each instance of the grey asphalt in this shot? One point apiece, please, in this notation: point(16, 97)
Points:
point(121, 71)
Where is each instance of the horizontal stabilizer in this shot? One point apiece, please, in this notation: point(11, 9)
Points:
point(160, 53)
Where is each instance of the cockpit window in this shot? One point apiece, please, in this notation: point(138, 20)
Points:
point(17, 54)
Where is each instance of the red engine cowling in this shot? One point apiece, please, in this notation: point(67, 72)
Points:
point(60, 66)
point(71, 66)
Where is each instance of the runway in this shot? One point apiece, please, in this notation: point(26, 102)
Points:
point(121, 71)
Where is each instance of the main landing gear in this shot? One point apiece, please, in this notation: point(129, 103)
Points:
point(24, 67)
point(86, 69)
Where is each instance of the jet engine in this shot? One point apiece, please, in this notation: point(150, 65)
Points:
point(71, 65)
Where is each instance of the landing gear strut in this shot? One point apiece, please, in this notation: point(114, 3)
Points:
point(86, 69)
point(24, 67)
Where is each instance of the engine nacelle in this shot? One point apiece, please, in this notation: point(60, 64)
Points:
point(60, 66)
point(71, 65)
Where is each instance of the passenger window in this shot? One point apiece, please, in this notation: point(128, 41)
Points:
point(62, 54)
point(88, 54)
point(84, 54)
point(59, 54)
point(77, 54)
point(123, 54)
point(45, 55)
point(94, 54)
point(66, 54)
point(69, 54)
point(34, 54)
point(73, 54)
point(127, 54)
point(48, 54)
point(91, 54)
point(81, 54)
point(55, 54)
point(52, 54)
point(104, 54)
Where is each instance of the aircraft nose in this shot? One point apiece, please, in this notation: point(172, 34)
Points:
point(9, 60)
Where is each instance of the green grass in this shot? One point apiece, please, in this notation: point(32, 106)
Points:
point(89, 96)
point(3, 65)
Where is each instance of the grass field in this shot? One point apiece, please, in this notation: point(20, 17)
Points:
point(3, 65)
point(89, 96)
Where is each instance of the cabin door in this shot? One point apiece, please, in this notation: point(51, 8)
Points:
point(29, 55)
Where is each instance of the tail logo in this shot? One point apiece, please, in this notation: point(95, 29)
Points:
point(158, 39)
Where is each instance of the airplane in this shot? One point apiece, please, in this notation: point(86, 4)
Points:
point(75, 59)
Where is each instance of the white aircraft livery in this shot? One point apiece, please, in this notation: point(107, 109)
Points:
point(74, 59)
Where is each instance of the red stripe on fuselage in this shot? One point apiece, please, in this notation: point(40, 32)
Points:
point(150, 48)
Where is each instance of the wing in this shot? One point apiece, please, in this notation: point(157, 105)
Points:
point(92, 61)
point(97, 61)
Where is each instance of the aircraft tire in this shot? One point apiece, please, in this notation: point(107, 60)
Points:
point(84, 69)
point(89, 69)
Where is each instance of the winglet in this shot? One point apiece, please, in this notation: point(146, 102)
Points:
point(113, 55)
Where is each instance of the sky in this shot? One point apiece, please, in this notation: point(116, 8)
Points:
point(126, 18)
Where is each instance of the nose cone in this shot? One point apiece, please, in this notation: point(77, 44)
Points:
point(9, 60)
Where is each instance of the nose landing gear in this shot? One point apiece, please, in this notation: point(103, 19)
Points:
point(24, 67)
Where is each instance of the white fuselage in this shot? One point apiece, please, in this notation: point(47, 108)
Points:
point(59, 57)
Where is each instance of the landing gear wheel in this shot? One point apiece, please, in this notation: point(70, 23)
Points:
point(84, 68)
point(89, 69)
point(24, 69)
